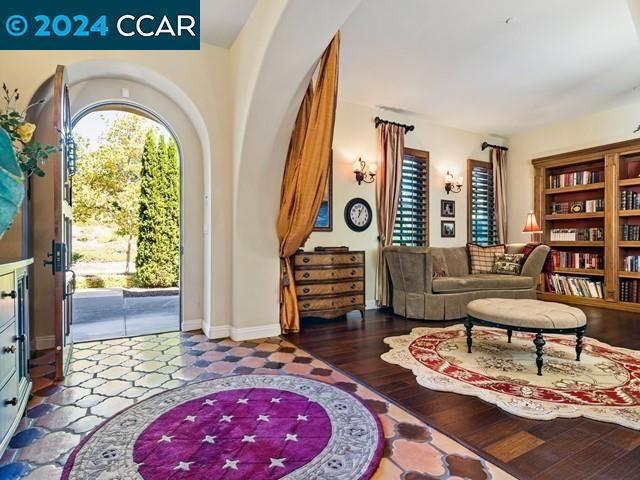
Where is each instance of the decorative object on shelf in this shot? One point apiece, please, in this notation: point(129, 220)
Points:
point(447, 208)
point(358, 214)
point(531, 224)
point(447, 229)
point(364, 172)
point(11, 183)
point(324, 222)
point(451, 185)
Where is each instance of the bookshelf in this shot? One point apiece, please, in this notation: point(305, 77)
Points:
point(589, 204)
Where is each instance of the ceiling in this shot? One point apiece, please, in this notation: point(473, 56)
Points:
point(222, 20)
point(462, 63)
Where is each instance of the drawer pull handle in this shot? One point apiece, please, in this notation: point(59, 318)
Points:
point(353, 259)
point(353, 300)
point(11, 349)
point(11, 294)
point(306, 290)
point(13, 401)
point(305, 275)
point(353, 272)
point(306, 259)
point(353, 286)
point(306, 305)
point(21, 338)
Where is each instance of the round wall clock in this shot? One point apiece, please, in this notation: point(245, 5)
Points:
point(358, 214)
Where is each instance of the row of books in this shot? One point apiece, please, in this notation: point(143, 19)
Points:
point(629, 200)
point(585, 261)
point(574, 286)
point(631, 263)
point(576, 178)
point(630, 291)
point(594, 234)
point(588, 206)
point(630, 233)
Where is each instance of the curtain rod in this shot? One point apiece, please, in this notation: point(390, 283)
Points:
point(486, 145)
point(407, 128)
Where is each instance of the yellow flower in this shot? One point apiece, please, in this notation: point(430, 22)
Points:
point(26, 131)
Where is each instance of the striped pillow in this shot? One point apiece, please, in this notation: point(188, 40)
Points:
point(483, 258)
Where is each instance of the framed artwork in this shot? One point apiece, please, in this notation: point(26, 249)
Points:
point(447, 208)
point(324, 222)
point(447, 229)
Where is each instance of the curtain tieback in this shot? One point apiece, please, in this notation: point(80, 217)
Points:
point(382, 238)
point(284, 274)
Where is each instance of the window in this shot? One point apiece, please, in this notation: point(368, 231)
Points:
point(482, 216)
point(412, 220)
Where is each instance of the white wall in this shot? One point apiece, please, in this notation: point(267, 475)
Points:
point(356, 136)
point(591, 130)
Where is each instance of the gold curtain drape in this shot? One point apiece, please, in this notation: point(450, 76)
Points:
point(305, 175)
point(388, 180)
point(499, 163)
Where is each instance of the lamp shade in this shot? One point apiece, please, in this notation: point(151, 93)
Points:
point(531, 224)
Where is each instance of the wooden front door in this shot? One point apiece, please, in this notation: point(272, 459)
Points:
point(60, 255)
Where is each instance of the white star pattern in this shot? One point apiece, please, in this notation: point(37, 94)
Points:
point(277, 462)
point(209, 402)
point(263, 418)
point(226, 418)
point(166, 438)
point(190, 418)
point(249, 439)
point(291, 437)
point(275, 400)
point(209, 439)
point(303, 418)
point(232, 464)
point(243, 401)
point(186, 466)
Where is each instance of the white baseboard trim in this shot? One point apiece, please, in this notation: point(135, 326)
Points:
point(44, 342)
point(370, 305)
point(221, 331)
point(250, 333)
point(193, 324)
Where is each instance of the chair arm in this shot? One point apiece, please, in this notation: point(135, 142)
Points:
point(411, 268)
point(535, 262)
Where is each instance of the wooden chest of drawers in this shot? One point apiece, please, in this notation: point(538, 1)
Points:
point(329, 284)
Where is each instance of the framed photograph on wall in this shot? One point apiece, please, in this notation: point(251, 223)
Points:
point(448, 208)
point(324, 222)
point(447, 229)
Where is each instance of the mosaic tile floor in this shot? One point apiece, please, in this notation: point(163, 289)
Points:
point(108, 376)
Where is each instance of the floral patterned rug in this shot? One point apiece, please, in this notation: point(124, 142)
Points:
point(604, 385)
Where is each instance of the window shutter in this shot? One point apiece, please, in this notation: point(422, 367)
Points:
point(412, 225)
point(481, 209)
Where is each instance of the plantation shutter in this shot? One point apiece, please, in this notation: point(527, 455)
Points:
point(482, 220)
point(412, 226)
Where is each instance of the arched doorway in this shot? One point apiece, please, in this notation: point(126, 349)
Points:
point(127, 223)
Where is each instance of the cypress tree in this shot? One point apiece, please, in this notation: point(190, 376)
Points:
point(172, 210)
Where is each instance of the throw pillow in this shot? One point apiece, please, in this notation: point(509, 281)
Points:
point(508, 263)
point(438, 269)
point(482, 258)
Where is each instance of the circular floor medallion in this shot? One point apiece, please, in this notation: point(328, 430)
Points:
point(244, 427)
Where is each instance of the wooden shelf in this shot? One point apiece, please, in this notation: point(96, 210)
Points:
point(629, 244)
point(579, 271)
point(555, 297)
point(576, 244)
point(630, 213)
point(629, 182)
point(629, 275)
point(575, 188)
point(574, 216)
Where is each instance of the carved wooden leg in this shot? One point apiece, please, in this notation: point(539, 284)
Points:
point(362, 314)
point(469, 327)
point(509, 333)
point(579, 335)
point(539, 343)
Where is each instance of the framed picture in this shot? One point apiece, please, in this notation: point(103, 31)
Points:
point(447, 208)
point(324, 222)
point(447, 229)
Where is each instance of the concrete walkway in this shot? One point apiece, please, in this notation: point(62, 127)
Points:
point(103, 313)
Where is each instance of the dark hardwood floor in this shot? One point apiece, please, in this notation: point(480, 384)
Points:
point(563, 449)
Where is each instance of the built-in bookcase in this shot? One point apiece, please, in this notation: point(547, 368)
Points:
point(588, 204)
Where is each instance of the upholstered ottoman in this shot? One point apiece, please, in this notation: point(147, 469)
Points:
point(531, 316)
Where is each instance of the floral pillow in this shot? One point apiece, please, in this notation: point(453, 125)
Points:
point(508, 263)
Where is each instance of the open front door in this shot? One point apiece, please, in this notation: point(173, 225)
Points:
point(60, 255)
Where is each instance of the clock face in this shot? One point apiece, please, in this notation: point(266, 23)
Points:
point(358, 215)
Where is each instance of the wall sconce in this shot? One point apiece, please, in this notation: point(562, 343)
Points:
point(364, 173)
point(451, 185)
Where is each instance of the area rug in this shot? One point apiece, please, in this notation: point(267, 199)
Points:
point(241, 427)
point(604, 385)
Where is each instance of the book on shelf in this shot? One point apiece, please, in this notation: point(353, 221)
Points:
point(593, 234)
point(629, 200)
point(583, 206)
point(571, 179)
point(574, 286)
point(630, 233)
point(631, 263)
point(630, 291)
point(578, 260)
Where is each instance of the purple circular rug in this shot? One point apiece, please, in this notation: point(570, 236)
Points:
point(243, 427)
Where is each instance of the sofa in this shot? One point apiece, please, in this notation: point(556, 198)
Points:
point(417, 294)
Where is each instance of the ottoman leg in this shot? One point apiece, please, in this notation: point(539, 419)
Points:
point(539, 343)
point(509, 333)
point(469, 326)
point(579, 335)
